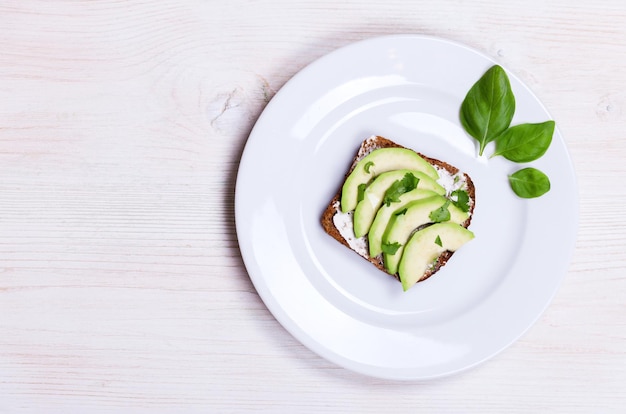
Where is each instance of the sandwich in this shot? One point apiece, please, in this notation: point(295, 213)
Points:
point(402, 211)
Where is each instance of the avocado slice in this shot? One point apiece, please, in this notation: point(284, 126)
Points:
point(426, 245)
point(381, 220)
point(374, 194)
point(377, 162)
point(416, 215)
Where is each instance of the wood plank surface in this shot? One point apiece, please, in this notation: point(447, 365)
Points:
point(122, 124)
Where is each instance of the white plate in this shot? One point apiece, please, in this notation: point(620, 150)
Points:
point(407, 88)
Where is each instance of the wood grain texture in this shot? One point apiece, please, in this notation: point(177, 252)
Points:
point(121, 127)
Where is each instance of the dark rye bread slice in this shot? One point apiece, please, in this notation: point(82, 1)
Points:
point(367, 146)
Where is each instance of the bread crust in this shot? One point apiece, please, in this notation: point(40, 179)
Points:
point(367, 146)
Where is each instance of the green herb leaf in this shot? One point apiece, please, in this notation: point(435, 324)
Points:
point(525, 142)
point(391, 248)
point(438, 241)
point(361, 192)
point(488, 107)
point(529, 183)
point(441, 214)
point(401, 212)
point(407, 183)
point(367, 166)
point(460, 198)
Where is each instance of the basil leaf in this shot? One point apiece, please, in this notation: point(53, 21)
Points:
point(441, 214)
point(529, 183)
point(525, 142)
point(460, 198)
point(391, 248)
point(407, 183)
point(488, 107)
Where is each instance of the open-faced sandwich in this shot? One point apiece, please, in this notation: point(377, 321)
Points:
point(402, 211)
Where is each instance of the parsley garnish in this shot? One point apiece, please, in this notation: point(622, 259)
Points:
point(407, 183)
point(367, 166)
point(391, 248)
point(401, 212)
point(441, 214)
point(460, 198)
point(438, 241)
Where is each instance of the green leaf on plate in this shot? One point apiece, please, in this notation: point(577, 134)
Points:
point(525, 142)
point(529, 183)
point(488, 107)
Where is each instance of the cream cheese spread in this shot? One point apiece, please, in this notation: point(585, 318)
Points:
point(344, 223)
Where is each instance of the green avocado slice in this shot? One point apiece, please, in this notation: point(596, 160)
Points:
point(377, 162)
point(417, 214)
point(426, 245)
point(381, 220)
point(374, 195)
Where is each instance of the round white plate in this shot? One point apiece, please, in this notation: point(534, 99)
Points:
point(407, 88)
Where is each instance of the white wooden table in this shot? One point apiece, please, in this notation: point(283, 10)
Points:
point(122, 288)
